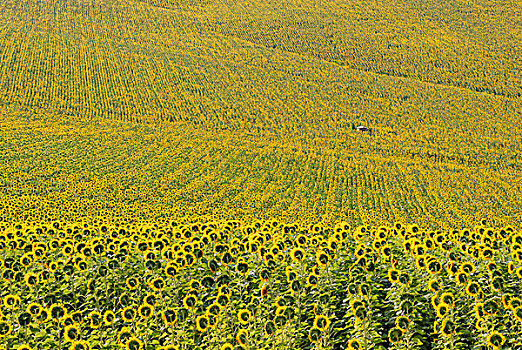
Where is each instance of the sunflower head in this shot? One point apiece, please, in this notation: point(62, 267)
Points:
point(34, 309)
point(448, 299)
point(472, 289)
point(133, 343)
point(109, 317)
point(71, 333)
point(244, 316)
point(5, 329)
point(297, 254)
point(442, 310)
point(157, 284)
point(496, 339)
point(128, 314)
point(96, 319)
point(321, 322)
point(242, 337)
point(395, 335)
point(169, 316)
point(202, 323)
point(447, 328)
point(434, 285)
point(57, 311)
point(146, 311)
point(132, 283)
point(393, 275)
point(190, 301)
point(81, 345)
point(314, 335)
point(402, 322)
point(354, 344)
point(227, 346)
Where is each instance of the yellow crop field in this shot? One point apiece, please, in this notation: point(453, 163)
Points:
point(181, 175)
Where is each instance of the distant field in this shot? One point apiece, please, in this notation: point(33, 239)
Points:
point(273, 89)
point(162, 117)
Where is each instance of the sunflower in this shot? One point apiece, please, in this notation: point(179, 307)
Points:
point(96, 319)
point(146, 311)
point(402, 323)
point(461, 278)
point(34, 309)
point(314, 335)
point(404, 278)
point(171, 269)
point(123, 335)
point(202, 323)
point(5, 329)
point(213, 309)
point(434, 266)
point(354, 344)
point(468, 268)
point(242, 337)
point(31, 279)
point(312, 280)
point(442, 310)
point(128, 314)
point(495, 340)
point(297, 254)
point(133, 343)
point(12, 302)
point(514, 303)
point(190, 301)
point(480, 324)
point(53, 266)
point(420, 262)
point(227, 346)
point(77, 317)
point(244, 316)
point(24, 347)
point(132, 283)
point(448, 299)
point(472, 289)
point(447, 328)
point(395, 335)
point(81, 265)
point(169, 316)
point(57, 311)
point(150, 299)
point(393, 275)
point(322, 259)
point(270, 328)
point(109, 317)
point(434, 285)
point(157, 284)
point(44, 316)
point(71, 333)
point(487, 253)
point(321, 322)
point(360, 313)
point(479, 310)
point(242, 267)
point(223, 300)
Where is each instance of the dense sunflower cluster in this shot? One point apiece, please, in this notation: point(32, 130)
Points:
point(258, 285)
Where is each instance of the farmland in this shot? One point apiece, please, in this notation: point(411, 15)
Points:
point(162, 163)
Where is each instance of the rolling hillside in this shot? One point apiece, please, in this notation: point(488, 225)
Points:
point(273, 88)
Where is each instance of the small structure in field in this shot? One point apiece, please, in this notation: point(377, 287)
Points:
point(362, 128)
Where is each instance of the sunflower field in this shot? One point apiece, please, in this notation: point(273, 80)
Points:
point(187, 175)
point(260, 285)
